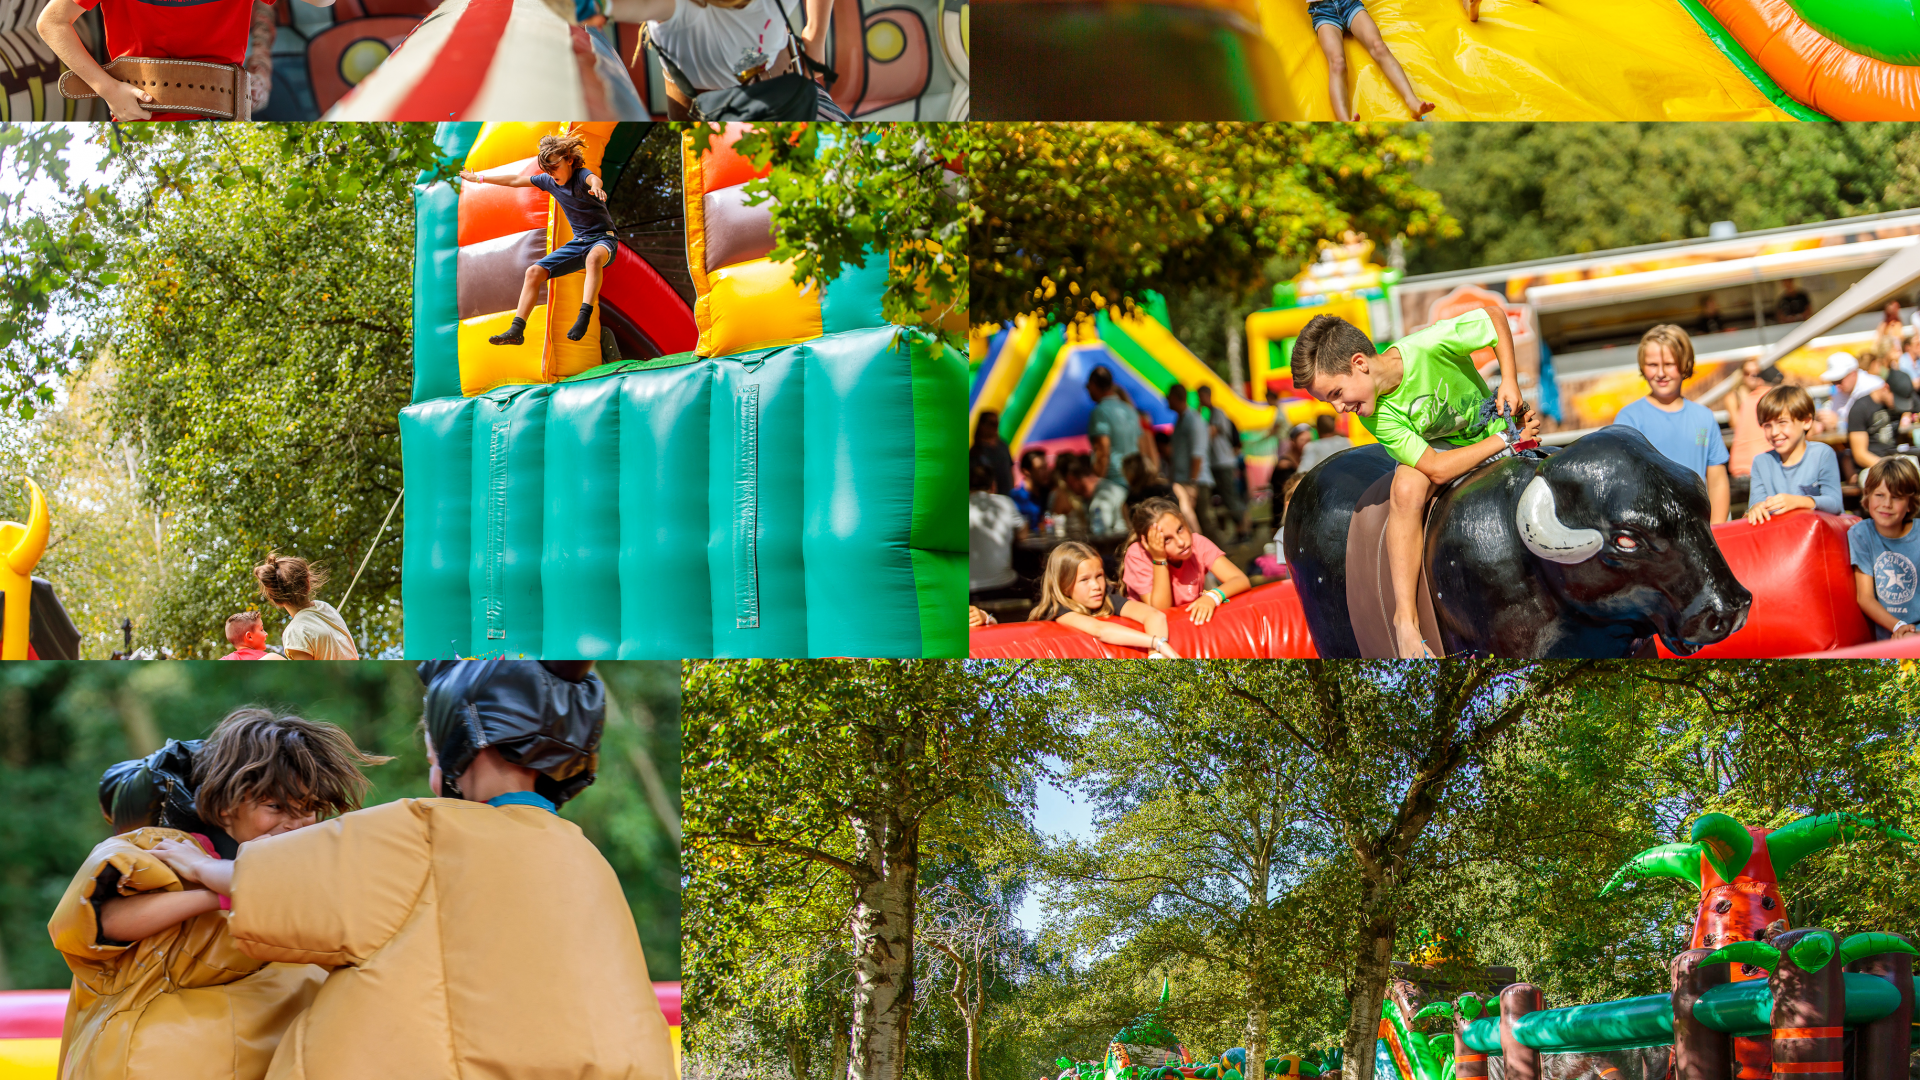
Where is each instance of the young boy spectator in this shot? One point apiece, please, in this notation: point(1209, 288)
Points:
point(209, 35)
point(1190, 474)
point(1685, 431)
point(1422, 400)
point(476, 933)
point(564, 175)
point(248, 636)
point(1884, 549)
point(1795, 474)
point(1332, 21)
point(993, 525)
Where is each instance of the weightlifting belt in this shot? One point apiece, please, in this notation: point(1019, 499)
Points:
point(218, 91)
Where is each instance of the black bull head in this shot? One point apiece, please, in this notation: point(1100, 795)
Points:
point(1581, 554)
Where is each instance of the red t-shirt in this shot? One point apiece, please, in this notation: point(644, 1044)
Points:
point(245, 654)
point(212, 31)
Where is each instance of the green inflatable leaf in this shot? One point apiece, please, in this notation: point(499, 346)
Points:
point(1861, 946)
point(1438, 1008)
point(1757, 953)
point(1063, 1063)
point(1728, 843)
point(1812, 952)
point(1472, 1007)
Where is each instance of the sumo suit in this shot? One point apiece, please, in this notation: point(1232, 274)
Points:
point(465, 940)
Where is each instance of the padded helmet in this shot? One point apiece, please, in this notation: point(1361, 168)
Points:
point(159, 790)
point(537, 719)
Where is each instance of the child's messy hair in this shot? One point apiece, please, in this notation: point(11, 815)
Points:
point(239, 626)
point(1145, 513)
point(1056, 584)
point(1326, 346)
point(1678, 344)
point(254, 755)
point(286, 579)
point(555, 149)
point(1900, 476)
point(1789, 401)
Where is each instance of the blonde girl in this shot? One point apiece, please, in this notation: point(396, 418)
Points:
point(1074, 593)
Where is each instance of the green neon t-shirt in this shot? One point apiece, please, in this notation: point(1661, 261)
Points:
point(1440, 391)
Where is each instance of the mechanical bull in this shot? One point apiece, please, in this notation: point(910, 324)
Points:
point(1584, 553)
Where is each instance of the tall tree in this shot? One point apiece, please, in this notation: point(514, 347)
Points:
point(842, 764)
point(1073, 217)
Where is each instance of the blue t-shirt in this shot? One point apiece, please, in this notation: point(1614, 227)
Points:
point(1690, 436)
point(1892, 564)
point(1817, 476)
point(1121, 425)
point(587, 214)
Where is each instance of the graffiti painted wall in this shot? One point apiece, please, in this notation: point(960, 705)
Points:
point(30, 77)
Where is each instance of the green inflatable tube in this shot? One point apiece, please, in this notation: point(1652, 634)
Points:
point(1739, 58)
point(1886, 30)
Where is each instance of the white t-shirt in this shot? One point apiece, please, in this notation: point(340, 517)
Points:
point(992, 520)
point(713, 45)
point(320, 632)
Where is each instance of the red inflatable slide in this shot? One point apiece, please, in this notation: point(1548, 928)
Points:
point(635, 298)
point(1795, 565)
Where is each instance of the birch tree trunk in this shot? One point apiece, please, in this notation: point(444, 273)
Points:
point(887, 856)
point(1372, 970)
point(840, 1036)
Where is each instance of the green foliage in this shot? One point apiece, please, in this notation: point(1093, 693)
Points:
point(61, 725)
point(868, 186)
point(1075, 217)
point(243, 298)
point(1533, 191)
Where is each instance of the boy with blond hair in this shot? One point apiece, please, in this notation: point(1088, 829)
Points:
point(1682, 430)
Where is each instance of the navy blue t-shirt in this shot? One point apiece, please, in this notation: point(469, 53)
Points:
point(588, 215)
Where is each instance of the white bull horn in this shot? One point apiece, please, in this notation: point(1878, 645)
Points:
point(33, 538)
point(1544, 534)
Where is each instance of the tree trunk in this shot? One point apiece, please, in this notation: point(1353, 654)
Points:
point(1261, 880)
point(840, 1032)
point(973, 1042)
point(1372, 970)
point(1256, 1043)
point(799, 1052)
point(1236, 367)
point(888, 856)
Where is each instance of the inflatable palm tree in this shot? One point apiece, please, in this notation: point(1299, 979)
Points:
point(1736, 869)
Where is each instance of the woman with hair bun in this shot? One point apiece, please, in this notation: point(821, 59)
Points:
point(316, 631)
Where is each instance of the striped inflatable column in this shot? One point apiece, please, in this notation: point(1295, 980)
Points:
point(1880, 1048)
point(1699, 1052)
point(1518, 1062)
point(1468, 1063)
point(1809, 1008)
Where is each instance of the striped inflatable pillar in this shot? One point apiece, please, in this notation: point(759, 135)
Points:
point(1880, 1048)
point(1809, 1007)
point(1518, 1062)
point(1468, 1063)
point(1699, 1052)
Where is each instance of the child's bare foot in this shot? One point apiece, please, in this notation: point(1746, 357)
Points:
point(1409, 643)
point(1421, 112)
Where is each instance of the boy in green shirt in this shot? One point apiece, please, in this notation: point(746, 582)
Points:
point(1422, 400)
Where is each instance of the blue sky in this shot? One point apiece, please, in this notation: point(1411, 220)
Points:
point(1057, 814)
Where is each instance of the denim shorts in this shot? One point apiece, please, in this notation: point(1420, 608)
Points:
point(571, 257)
point(1337, 13)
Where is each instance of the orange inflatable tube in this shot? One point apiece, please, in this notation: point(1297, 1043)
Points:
point(1813, 68)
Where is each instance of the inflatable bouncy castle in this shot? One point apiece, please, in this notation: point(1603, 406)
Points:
point(727, 464)
point(33, 624)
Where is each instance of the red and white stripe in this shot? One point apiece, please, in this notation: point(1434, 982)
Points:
point(484, 60)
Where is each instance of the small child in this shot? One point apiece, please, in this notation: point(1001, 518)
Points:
point(564, 175)
point(1166, 564)
point(1074, 593)
point(1884, 549)
point(248, 636)
point(1795, 474)
point(1684, 431)
point(155, 970)
point(1423, 400)
point(1332, 20)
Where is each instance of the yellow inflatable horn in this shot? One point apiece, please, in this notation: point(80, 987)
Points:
point(20, 549)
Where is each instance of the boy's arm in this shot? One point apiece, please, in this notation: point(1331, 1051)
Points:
point(1441, 466)
point(1872, 608)
point(56, 29)
point(1508, 395)
point(192, 863)
point(1717, 494)
point(1828, 500)
point(132, 918)
point(472, 177)
point(593, 185)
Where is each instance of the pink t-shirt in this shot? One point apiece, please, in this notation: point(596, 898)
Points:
point(1189, 575)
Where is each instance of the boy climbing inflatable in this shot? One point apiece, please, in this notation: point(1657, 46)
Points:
point(564, 175)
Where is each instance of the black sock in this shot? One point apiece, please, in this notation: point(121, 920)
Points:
point(514, 334)
point(580, 324)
